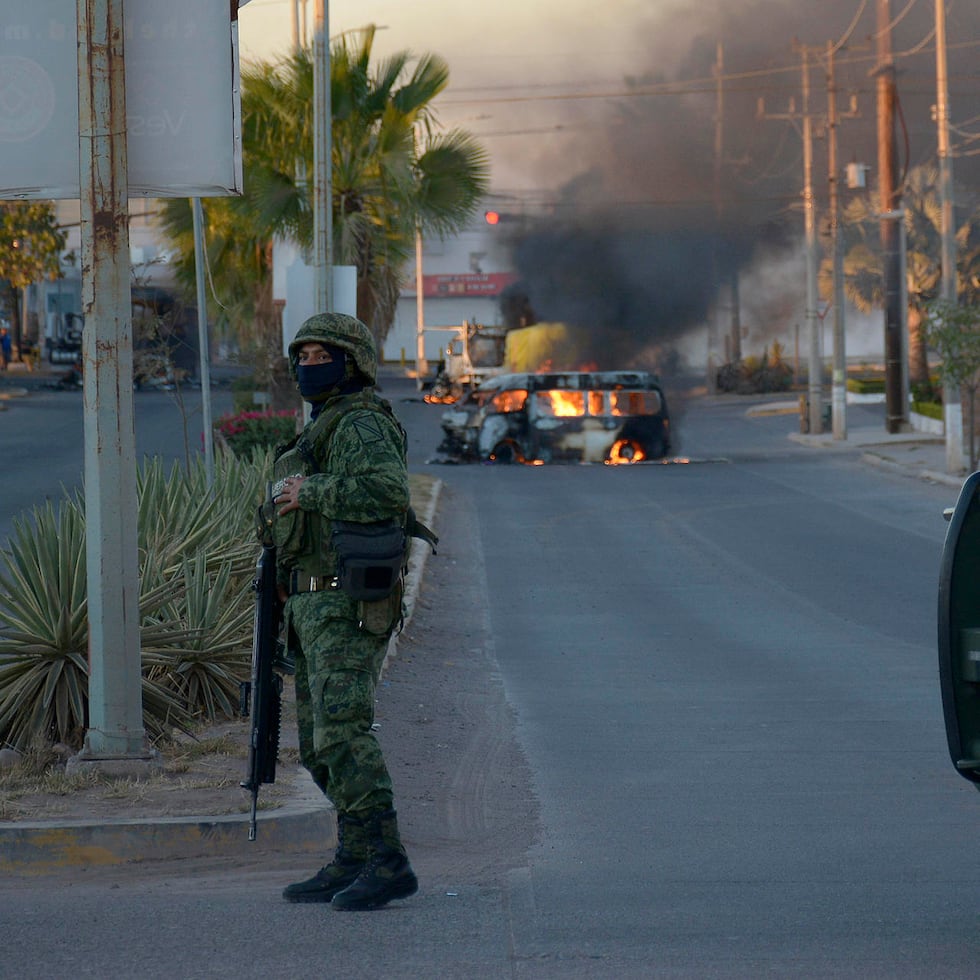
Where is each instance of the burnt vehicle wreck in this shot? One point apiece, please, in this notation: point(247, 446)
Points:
point(608, 417)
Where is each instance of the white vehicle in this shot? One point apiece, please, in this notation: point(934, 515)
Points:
point(560, 417)
point(473, 355)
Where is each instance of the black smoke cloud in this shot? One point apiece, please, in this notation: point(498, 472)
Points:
point(648, 230)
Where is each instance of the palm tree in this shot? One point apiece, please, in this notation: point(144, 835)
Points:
point(863, 283)
point(393, 172)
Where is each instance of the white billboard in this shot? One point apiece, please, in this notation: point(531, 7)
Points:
point(182, 99)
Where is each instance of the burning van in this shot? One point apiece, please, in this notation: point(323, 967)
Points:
point(560, 417)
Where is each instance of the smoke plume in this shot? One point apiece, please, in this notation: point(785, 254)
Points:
point(653, 223)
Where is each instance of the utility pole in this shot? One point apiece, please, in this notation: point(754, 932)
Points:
point(896, 400)
point(815, 373)
point(838, 390)
point(735, 324)
point(948, 291)
point(421, 364)
point(322, 161)
point(713, 321)
point(839, 376)
point(815, 367)
point(115, 740)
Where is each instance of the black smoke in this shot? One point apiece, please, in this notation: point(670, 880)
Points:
point(654, 225)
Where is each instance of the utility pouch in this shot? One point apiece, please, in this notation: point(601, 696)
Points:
point(381, 618)
point(369, 558)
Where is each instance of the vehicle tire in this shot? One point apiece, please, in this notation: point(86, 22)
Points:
point(506, 453)
point(627, 451)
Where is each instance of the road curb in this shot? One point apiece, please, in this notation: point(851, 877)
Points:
point(46, 848)
point(306, 824)
point(934, 476)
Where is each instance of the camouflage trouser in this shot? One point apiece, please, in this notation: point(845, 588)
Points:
point(337, 670)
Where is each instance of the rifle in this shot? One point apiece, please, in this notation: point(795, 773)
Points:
point(265, 688)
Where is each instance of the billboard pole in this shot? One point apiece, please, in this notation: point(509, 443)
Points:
point(203, 340)
point(115, 739)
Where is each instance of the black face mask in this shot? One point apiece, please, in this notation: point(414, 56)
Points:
point(317, 381)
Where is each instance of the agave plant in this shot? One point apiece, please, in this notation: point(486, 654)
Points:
point(205, 664)
point(179, 514)
point(44, 628)
point(44, 634)
point(192, 538)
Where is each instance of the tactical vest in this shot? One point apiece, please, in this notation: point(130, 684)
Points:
point(302, 537)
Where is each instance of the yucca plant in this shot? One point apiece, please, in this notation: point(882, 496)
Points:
point(205, 664)
point(44, 635)
point(179, 514)
point(44, 632)
point(44, 609)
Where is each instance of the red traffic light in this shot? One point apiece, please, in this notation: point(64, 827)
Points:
point(492, 217)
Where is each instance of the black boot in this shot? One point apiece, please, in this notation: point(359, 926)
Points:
point(387, 875)
point(348, 860)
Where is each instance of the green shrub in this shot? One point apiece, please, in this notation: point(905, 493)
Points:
point(247, 431)
point(866, 386)
point(932, 410)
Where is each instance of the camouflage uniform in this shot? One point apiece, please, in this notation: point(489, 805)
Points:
point(352, 455)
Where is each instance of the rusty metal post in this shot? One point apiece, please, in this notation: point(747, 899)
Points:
point(115, 733)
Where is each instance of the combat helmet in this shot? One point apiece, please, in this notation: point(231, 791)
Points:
point(339, 330)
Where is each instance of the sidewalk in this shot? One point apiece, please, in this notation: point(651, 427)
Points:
point(913, 453)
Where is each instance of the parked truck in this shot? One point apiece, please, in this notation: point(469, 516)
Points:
point(474, 353)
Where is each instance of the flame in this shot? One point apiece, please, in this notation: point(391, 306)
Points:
point(510, 400)
point(634, 403)
point(447, 399)
point(563, 404)
point(625, 451)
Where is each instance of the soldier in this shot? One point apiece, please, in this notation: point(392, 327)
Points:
point(347, 465)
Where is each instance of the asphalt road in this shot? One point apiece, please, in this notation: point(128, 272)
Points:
point(42, 441)
point(714, 688)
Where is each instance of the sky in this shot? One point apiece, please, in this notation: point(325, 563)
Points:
point(603, 115)
point(539, 80)
point(498, 55)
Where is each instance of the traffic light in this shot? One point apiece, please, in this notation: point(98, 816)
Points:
point(492, 217)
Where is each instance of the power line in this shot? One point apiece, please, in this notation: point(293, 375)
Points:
point(692, 86)
point(887, 29)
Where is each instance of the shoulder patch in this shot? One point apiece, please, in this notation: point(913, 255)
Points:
point(367, 427)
